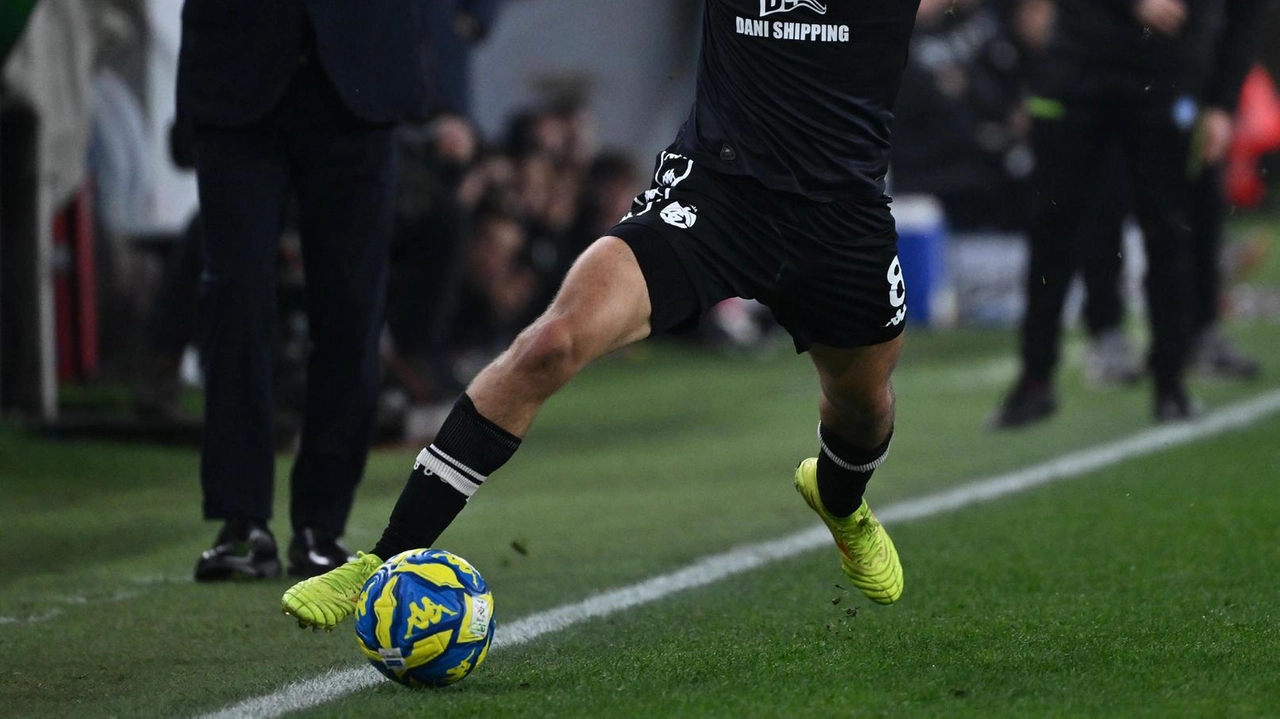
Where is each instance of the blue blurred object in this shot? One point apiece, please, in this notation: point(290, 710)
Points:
point(922, 251)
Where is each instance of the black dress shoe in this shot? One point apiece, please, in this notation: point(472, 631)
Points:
point(240, 552)
point(315, 552)
point(1029, 401)
point(1173, 405)
point(1217, 356)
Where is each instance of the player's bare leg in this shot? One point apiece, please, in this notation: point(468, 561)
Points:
point(857, 390)
point(857, 414)
point(603, 305)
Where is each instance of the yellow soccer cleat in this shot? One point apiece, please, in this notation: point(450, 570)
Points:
point(326, 599)
point(867, 554)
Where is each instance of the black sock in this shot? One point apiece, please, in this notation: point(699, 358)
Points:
point(466, 451)
point(844, 470)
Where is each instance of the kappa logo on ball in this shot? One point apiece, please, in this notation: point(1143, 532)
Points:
point(678, 215)
point(772, 7)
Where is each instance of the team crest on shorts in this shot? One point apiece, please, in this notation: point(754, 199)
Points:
point(678, 215)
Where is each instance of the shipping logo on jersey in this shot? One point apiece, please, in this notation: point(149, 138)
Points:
point(803, 31)
point(770, 7)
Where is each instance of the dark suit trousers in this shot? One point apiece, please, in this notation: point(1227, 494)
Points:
point(1102, 245)
point(1103, 263)
point(340, 170)
point(1071, 153)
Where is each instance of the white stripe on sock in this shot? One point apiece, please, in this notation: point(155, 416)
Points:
point(846, 465)
point(467, 471)
point(465, 485)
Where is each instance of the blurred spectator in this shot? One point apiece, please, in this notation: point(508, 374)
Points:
point(606, 193)
point(171, 324)
point(428, 250)
point(1212, 353)
point(485, 234)
point(434, 201)
point(958, 132)
point(1127, 77)
point(603, 195)
point(497, 287)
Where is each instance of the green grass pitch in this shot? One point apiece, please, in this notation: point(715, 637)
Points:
point(1147, 589)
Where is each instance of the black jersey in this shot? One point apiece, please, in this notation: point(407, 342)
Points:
point(799, 93)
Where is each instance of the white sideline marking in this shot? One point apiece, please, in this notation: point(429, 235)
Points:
point(70, 600)
point(339, 683)
point(33, 619)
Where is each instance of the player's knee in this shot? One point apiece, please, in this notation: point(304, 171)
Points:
point(546, 350)
point(870, 405)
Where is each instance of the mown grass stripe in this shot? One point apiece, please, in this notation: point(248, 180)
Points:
point(338, 683)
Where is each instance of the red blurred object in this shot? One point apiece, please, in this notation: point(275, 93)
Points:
point(1257, 133)
point(74, 290)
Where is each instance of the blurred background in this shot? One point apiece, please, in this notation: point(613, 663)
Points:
point(545, 129)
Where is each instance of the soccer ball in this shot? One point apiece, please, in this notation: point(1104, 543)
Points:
point(425, 618)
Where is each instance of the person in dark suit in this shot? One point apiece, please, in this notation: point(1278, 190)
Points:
point(294, 99)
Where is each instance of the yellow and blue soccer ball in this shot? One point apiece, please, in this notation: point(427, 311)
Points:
point(425, 618)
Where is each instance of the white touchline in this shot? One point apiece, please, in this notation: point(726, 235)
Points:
point(339, 683)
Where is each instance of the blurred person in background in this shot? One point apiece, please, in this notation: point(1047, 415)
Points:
point(958, 127)
point(172, 317)
point(1110, 359)
point(551, 150)
point(432, 219)
point(549, 162)
point(293, 98)
point(603, 194)
point(1129, 74)
point(497, 288)
point(607, 188)
point(433, 229)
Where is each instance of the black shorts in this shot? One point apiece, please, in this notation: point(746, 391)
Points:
point(828, 271)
